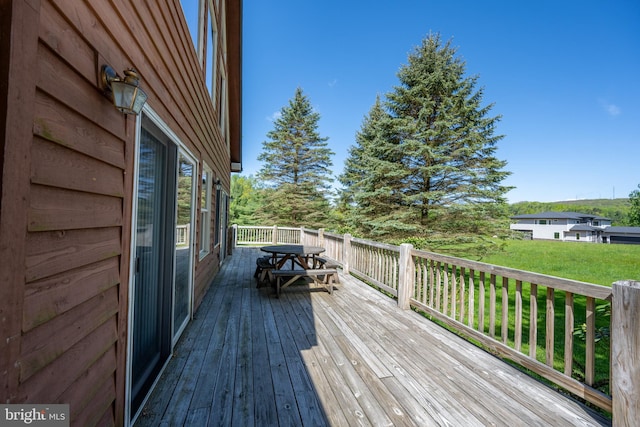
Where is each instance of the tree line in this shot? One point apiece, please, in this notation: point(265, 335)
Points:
point(423, 168)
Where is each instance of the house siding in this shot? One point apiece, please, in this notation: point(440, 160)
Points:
point(545, 232)
point(67, 183)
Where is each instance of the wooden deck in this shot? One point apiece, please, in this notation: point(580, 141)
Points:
point(351, 358)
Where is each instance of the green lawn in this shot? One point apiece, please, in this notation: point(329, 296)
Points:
point(588, 262)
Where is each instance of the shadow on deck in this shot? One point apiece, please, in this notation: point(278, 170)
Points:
point(351, 358)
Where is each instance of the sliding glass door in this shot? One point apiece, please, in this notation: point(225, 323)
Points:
point(162, 250)
point(153, 264)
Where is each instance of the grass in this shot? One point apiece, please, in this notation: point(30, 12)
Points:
point(587, 262)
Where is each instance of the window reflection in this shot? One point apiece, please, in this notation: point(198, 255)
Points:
point(191, 10)
point(184, 224)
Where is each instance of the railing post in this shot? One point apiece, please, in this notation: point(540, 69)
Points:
point(321, 237)
point(405, 277)
point(274, 235)
point(346, 253)
point(234, 231)
point(625, 353)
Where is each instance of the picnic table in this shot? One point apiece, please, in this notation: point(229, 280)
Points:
point(303, 264)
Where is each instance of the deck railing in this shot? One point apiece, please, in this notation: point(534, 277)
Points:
point(253, 235)
point(518, 315)
point(182, 235)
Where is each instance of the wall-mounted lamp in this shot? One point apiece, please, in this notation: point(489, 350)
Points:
point(125, 92)
point(218, 185)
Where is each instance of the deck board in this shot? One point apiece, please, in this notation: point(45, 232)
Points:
point(351, 358)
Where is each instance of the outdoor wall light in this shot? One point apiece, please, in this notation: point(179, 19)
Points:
point(218, 185)
point(125, 92)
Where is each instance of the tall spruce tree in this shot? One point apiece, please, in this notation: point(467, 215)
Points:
point(296, 168)
point(371, 179)
point(445, 184)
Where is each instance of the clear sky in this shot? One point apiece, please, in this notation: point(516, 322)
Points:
point(563, 74)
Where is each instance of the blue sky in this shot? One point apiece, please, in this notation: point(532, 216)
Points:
point(562, 74)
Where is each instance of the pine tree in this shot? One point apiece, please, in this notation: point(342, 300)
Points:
point(296, 168)
point(445, 184)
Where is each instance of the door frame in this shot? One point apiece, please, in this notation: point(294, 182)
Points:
point(130, 418)
point(192, 238)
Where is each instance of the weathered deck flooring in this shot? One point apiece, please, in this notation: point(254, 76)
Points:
point(351, 358)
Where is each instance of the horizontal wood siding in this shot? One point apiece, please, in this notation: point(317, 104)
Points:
point(18, 52)
point(68, 164)
point(47, 298)
point(75, 247)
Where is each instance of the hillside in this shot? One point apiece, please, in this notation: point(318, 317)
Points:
point(615, 209)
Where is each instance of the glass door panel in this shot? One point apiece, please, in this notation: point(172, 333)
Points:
point(153, 262)
point(184, 243)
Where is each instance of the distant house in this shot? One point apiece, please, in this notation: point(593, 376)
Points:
point(573, 227)
point(564, 226)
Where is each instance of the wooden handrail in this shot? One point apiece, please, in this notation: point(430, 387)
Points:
point(574, 286)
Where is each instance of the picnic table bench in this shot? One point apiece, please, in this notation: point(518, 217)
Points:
point(264, 267)
point(321, 276)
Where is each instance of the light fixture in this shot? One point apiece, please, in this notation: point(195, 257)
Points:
point(218, 185)
point(125, 92)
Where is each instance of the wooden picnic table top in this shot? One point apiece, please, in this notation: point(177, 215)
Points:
point(293, 249)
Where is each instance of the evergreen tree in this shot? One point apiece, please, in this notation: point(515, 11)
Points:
point(634, 210)
point(371, 179)
point(445, 183)
point(296, 168)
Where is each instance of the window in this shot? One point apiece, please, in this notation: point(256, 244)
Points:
point(222, 113)
point(556, 235)
point(204, 28)
point(192, 11)
point(542, 221)
point(577, 236)
point(212, 51)
point(205, 211)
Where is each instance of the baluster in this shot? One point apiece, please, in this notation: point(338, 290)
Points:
point(505, 309)
point(549, 338)
point(492, 306)
point(590, 362)
point(454, 292)
point(568, 333)
point(481, 303)
point(445, 296)
point(438, 306)
point(533, 321)
point(463, 284)
point(472, 290)
point(518, 331)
